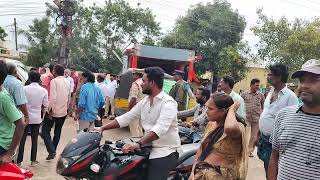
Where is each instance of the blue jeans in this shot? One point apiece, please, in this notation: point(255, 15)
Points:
point(187, 132)
point(264, 150)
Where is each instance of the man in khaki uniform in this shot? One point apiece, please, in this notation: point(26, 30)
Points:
point(179, 91)
point(135, 95)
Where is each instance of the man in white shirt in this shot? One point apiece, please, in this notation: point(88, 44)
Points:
point(104, 89)
point(158, 116)
point(278, 98)
point(112, 87)
point(37, 97)
point(226, 84)
point(67, 74)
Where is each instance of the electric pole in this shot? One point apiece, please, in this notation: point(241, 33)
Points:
point(15, 33)
point(66, 11)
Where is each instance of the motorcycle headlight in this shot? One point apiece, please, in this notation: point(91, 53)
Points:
point(65, 162)
point(62, 164)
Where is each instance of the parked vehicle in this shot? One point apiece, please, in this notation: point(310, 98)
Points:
point(11, 171)
point(21, 69)
point(126, 80)
point(85, 158)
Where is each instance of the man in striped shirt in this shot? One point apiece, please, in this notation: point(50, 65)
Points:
point(296, 133)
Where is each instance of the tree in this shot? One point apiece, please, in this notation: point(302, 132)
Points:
point(100, 31)
point(233, 62)
point(3, 34)
point(43, 44)
point(291, 43)
point(212, 30)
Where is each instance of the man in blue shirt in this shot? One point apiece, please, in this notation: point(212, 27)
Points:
point(15, 89)
point(90, 100)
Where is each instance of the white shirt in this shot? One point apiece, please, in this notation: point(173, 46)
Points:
point(103, 87)
point(37, 97)
point(112, 87)
point(160, 118)
point(242, 109)
point(71, 83)
point(267, 118)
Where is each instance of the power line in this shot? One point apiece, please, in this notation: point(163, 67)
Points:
point(24, 14)
point(301, 5)
point(23, 4)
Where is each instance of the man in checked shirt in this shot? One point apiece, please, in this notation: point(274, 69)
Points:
point(254, 105)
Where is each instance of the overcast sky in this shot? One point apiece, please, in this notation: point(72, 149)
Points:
point(166, 11)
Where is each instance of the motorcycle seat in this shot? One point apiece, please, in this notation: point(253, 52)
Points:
point(186, 151)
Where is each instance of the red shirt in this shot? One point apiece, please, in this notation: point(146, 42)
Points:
point(46, 82)
point(75, 78)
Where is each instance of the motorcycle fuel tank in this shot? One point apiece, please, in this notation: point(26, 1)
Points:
point(84, 141)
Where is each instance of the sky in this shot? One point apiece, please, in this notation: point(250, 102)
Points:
point(166, 12)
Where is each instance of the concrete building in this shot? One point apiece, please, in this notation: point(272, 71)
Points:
point(255, 71)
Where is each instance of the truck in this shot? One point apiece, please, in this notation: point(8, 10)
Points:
point(169, 59)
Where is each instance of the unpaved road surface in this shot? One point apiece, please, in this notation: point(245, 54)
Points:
point(46, 169)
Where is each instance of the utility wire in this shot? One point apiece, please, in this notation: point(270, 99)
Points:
point(25, 14)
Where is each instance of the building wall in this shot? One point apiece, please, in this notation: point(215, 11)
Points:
point(254, 72)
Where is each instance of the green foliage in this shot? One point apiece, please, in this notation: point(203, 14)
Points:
point(97, 31)
point(3, 34)
point(213, 31)
point(291, 43)
point(232, 62)
point(43, 45)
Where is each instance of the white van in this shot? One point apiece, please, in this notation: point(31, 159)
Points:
point(21, 69)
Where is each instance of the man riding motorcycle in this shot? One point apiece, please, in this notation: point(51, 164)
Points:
point(158, 116)
point(194, 132)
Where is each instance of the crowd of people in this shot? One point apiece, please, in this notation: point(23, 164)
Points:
point(228, 126)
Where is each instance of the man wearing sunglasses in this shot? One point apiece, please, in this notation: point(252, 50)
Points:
point(296, 133)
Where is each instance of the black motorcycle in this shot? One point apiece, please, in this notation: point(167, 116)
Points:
point(85, 158)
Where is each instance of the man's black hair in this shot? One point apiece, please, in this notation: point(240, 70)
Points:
point(254, 81)
point(155, 74)
point(3, 71)
point(229, 80)
point(281, 70)
point(59, 69)
point(205, 92)
point(89, 76)
point(100, 78)
point(33, 69)
point(138, 74)
point(51, 66)
point(34, 76)
point(12, 68)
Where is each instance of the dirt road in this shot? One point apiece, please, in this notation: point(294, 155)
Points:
point(46, 169)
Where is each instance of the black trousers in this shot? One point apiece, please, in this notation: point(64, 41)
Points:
point(47, 124)
point(34, 139)
point(159, 168)
point(101, 114)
